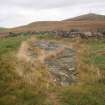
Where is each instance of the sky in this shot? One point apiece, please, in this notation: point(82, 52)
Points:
point(20, 12)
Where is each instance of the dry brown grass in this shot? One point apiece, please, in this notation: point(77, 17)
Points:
point(33, 71)
point(54, 54)
point(23, 52)
point(87, 73)
point(60, 25)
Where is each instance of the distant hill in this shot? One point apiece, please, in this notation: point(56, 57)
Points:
point(2, 29)
point(86, 22)
point(88, 17)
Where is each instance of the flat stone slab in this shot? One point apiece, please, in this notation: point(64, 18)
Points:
point(62, 68)
point(46, 45)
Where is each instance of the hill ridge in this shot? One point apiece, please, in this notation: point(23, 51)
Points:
point(88, 17)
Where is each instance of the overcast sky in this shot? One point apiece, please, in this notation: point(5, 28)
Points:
point(20, 12)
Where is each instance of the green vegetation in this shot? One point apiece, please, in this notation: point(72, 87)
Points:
point(11, 44)
point(91, 88)
point(89, 91)
point(97, 53)
point(46, 36)
point(2, 29)
point(13, 88)
point(83, 95)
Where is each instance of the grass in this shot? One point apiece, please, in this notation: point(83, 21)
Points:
point(96, 57)
point(13, 88)
point(46, 37)
point(90, 89)
point(11, 44)
point(91, 86)
point(83, 95)
point(96, 44)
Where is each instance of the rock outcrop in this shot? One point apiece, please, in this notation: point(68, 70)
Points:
point(59, 60)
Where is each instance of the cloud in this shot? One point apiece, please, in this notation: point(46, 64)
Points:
point(18, 12)
point(45, 4)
